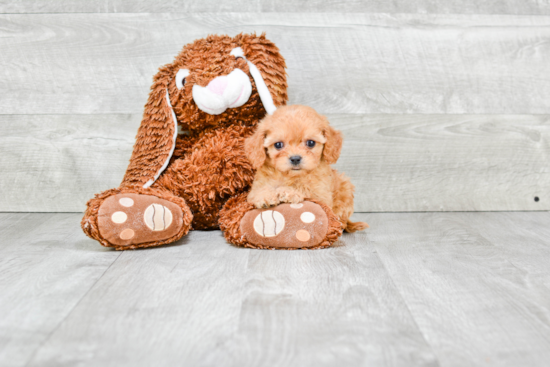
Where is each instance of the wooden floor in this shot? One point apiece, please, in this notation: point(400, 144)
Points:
point(417, 289)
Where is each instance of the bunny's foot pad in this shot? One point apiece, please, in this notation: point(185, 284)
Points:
point(131, 219)
point(290, 226)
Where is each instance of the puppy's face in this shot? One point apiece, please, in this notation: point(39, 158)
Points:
point(294, 140)
point(295, 145)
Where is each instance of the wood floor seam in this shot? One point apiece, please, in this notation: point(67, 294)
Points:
point(408, 309)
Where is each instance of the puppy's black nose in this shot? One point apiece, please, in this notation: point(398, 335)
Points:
point(295, 160)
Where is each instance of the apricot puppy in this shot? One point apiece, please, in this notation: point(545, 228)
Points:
point(292, 151)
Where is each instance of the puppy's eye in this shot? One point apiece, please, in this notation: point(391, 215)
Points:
point(180, 77)
point(279, 145)
point(310, 143)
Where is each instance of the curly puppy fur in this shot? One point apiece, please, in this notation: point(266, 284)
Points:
point(292, 151)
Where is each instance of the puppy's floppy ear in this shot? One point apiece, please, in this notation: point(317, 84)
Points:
point(254, 148)
point(333, 145)
point(156, 137)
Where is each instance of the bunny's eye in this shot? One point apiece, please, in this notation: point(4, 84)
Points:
point(310, 143)
point(180, 77)
point(279, 145)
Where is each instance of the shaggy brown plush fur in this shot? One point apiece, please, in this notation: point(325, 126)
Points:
point(205, 59)
point(208, 165)
point(208, 168)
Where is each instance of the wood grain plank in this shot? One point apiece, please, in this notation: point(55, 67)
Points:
point(337, 63)
point(397, 162)
point(532, 257)
point(448, 289)
point(446, 162)
point(205, 303)
point(533, 7)
point(473, 284)
point(472, 303)
point(167, 306)
point(324, 308)
point(57, 163)
point(47, 266)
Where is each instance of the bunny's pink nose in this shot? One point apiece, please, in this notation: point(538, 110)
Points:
point(217, 85)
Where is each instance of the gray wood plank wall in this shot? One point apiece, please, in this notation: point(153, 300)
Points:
point(534, 7)
point(397, 162)
point(441, 111)
point(337, 63)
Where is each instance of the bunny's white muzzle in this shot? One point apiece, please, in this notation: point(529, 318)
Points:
point(223, 92)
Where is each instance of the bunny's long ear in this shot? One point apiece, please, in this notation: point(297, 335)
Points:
point(267, 68)
point(156, 137)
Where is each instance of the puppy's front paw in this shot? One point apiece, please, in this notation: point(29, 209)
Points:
point(265, 200)
point(289, 195)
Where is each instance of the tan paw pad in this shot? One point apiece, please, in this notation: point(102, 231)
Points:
point(119, 217)
point(303, 235)
point(307, 217)
point(127, 234)
point(286, 225)
point(157, 217)
point(127, 202)
point(269, 223)
point(128, 219)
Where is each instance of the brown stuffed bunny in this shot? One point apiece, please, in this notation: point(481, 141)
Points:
point(188, 159)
